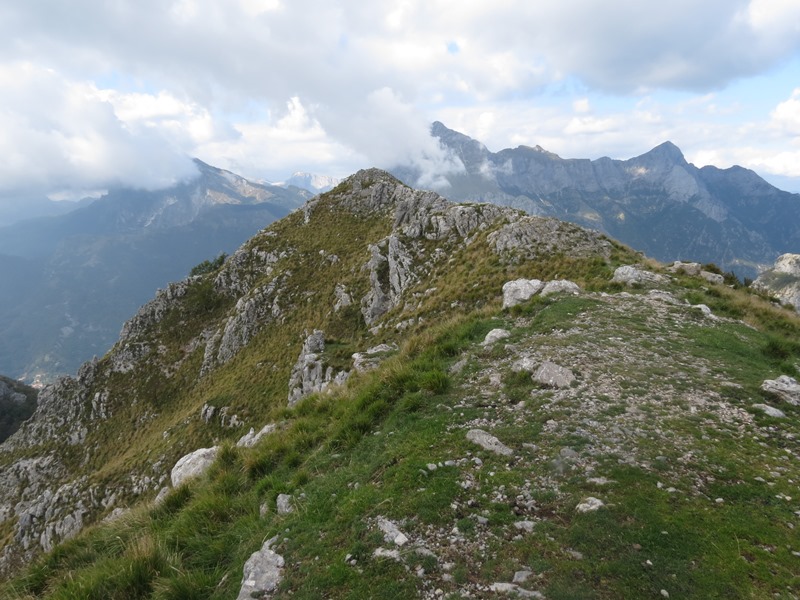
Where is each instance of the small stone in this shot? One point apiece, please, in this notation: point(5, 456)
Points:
point(521, 576)
point(432, 467)
point(770, 411)
point(719, 500)
point(488, 442)
point(665, 593)
point(525, 526)
point(284, 504)
point(589, 504)
point(575, 554)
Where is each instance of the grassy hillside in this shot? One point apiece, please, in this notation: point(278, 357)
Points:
point(699, 488)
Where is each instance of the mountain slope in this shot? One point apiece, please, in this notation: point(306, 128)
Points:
point(473, 449)
point(85, 272)
point(17, 403)
point(657, 203)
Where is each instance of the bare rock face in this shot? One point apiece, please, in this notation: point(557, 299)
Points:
point(263, 572)
point(390, 274)
point(310, 373)
point(782, 280)
point(528, 237)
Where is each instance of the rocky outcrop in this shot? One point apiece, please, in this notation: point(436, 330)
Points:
point(526, 238)
point(310, 373)
point(553, 375)
point(390, 273)
point(782, 280)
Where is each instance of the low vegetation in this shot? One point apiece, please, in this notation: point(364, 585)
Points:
point(699, 488)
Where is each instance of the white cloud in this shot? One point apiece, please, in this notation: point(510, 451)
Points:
point(59, 134)
point(362, 80)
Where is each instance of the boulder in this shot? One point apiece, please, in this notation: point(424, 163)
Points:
point(495, 335)
point(519, 291)
point(560, 286)
point(770, 411)
point(715, 278)
point(690, 268)
point(630, 275)
point(785, 387)
point(263, 572)
point(553, 375)
point(193, 464)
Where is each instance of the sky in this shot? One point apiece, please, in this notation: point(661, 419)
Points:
point(101, 93)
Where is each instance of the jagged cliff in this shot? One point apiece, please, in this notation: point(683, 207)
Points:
point(428, 397)
point(657, 203)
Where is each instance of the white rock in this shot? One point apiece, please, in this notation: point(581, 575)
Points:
point(560, 286)
point(630, 275)
point(589, 504)
point(785, 387)
point(193, 464)
point(524, 364)
point(553, 375)
point(391, 533)
point(251, 438)
point(263, 572)
point(495, 335)
point(515, 590)
point(488, 442)
point(712, 277)
point(770, 410)
point(525, 526)
point(519, 291)
point(284, 504)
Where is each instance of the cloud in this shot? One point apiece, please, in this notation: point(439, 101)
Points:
point(59, 134)
point(153, 80)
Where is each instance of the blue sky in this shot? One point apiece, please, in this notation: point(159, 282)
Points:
point(97, 94)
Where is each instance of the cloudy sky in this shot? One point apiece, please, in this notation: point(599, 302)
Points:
point(97, 93)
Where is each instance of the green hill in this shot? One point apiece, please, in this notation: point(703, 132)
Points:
point(427, 430)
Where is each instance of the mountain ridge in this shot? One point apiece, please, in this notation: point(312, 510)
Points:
point(86, 271)
point(489, 403)
point(657, 203)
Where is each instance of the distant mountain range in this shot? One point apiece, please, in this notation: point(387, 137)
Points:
point(14, 209)
point(68, 282)
point(657, 203)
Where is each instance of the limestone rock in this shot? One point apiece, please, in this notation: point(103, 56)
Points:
point(715, 278)
point(560, 286)
point(263, 572)
point(785, 387)
point(589, 504)
point(488, 442)
point(770, 410)
point(251, 438)
point(553, 375)
point(372, 357)
point(390, 274)
point(782, 280)
point(495, 335)
point(630, 275)
point(391, 533)
point(310, 374)
point(193, 464)
point(519, 291)
point(284, 504)
point(690, 268)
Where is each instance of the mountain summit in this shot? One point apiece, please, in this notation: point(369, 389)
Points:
point(657, 202)
point(386, 394)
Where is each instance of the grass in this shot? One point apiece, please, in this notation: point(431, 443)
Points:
point(663, 396)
